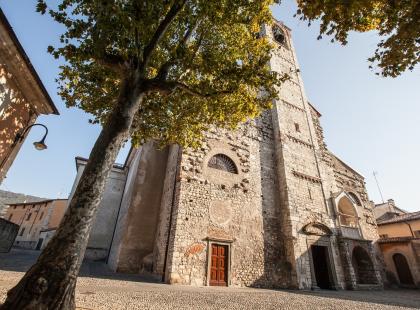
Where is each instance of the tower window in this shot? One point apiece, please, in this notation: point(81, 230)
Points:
point(222, 162)
point(278, 35)
point(297, 128)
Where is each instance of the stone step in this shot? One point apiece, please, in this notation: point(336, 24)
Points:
point(369, 287)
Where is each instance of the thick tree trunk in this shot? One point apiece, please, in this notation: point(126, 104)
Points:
point(50, 283)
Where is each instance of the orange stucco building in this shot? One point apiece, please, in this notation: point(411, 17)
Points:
point(37, 221)
point(399, 242)
point(23, 97)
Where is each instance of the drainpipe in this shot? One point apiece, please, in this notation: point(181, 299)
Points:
point(411, 230)
point(171, 215)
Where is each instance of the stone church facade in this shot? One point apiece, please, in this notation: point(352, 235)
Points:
point(266, 205)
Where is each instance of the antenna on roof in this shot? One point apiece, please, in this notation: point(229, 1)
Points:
point(377, 184)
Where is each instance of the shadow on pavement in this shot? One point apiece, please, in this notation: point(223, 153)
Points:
point(21, 260)
point(409, 298)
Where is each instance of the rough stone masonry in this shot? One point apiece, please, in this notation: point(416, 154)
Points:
point(266, 205)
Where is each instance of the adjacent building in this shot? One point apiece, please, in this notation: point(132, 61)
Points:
point(37, 221)
point(23, 97)
point(102, 232)
point(399, 242)
point(266, 205)
point(387, 210)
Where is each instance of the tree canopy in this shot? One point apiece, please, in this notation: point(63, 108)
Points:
point(397, 22)
point(202, 61)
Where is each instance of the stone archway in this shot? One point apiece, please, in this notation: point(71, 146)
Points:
point(363, 266)
point(403, 269)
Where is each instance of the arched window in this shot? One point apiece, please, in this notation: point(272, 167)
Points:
point(347, 213)
point(222, 162)
point(278, 35)
point(354, 198)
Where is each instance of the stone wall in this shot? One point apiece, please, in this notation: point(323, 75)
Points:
point(8, 233)
point(138, 219)
point(240, 210)
point(102, 232)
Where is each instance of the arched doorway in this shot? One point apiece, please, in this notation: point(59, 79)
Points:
point(403, 270)
point(363, 267)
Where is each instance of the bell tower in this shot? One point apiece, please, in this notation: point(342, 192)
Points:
point(302, 195)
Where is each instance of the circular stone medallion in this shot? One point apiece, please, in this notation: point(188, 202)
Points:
point(220, 212)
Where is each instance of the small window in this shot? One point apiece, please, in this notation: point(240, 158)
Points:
point(417, 233)
point(222, 162)
point(29, 216)
point(10, 217)
point(297, 128)
point(383, 236)
point(40, 217)
point(22, 231)
point(278, 35)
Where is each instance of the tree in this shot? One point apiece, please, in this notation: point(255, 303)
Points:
point(398, 21)
point(158, 69)
point(166, 70)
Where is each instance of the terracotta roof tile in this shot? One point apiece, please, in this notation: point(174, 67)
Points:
point(401, 218)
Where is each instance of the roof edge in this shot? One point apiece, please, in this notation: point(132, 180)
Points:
point(34, 202)
point(27, 61)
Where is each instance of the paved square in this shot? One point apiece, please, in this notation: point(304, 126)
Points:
point(97, 289)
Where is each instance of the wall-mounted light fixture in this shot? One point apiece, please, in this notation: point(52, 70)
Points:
point(39, 145)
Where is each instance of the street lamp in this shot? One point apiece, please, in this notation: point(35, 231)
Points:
point(39, 145)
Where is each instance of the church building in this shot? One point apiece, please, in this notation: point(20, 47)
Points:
point(266, 205)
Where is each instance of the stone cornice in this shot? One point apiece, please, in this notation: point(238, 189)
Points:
point(299, 141)
point(306, 177)
point(291, 105)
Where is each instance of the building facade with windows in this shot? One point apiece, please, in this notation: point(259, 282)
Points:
point(34, 220)
point(265, 205)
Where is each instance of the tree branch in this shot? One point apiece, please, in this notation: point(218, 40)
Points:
point(113, 62)
point(160, 31)
point(164, 69)
point(168, 87)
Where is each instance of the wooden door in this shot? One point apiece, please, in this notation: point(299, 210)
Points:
point(218, 265)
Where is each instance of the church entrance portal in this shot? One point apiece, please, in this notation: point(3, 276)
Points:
point(219, 265)
point(321, 266)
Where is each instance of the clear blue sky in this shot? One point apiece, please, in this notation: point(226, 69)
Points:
point(371, 123)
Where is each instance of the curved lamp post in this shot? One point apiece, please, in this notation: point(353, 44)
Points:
point(39, 145)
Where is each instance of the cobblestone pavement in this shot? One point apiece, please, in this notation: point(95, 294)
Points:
point(98, 293)
point(106, 291)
